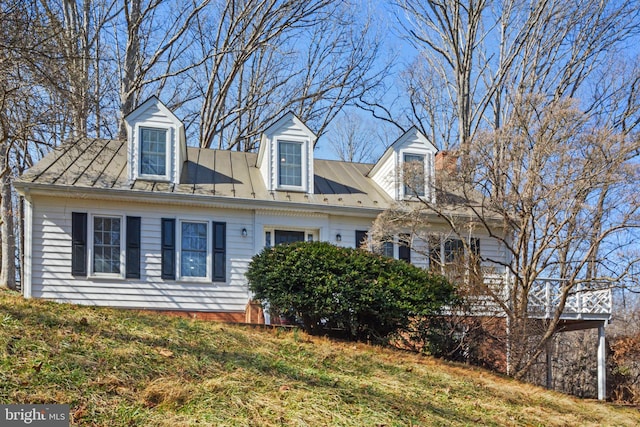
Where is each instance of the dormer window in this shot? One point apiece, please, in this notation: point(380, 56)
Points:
point(290, 164)
point(153, 152)
point(285, 158)
point(156, 145)
point(414, 177)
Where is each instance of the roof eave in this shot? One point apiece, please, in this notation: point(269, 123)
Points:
point(28, 190)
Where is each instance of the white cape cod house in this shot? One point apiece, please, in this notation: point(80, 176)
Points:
point(150, 223)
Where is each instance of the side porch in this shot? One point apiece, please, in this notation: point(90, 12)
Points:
point(587, 305)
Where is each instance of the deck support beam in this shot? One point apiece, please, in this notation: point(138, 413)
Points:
point(549, 364)
point(602, 363)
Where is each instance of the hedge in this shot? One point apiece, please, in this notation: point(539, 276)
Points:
point(325, 287)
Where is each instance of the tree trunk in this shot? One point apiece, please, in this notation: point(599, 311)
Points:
point(7, 266)
point(131, 63)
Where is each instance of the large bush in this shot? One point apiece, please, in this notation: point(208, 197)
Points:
point(327, 287)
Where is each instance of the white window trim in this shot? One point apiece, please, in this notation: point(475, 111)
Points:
point(424, 156)
point(90, 247)
point(304, 170)
point(179, 276)
point(165, 177)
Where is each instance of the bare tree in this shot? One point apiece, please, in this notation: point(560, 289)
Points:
point(309, 57)
point(431, 106)
point(353, 138)
point(155, 39)
point(29, 95)
point(624, 341)
point(566, 192)
point(487, 54)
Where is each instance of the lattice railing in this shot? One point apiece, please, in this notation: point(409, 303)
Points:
point(544, 298)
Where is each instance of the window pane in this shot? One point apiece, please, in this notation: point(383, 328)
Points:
point(106, 245)
point(435, 260)
point(453, 250)
point(153, 152)
point(387, 249)
point(194, 250)
point(290, 172)
point(413, 175)
point(283, 237)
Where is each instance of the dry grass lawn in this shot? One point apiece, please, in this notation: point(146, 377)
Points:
point(124, 368)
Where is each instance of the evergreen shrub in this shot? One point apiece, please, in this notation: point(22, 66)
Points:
point(326, 288)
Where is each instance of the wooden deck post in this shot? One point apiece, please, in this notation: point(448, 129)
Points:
point(549, 364)
point(602, 363)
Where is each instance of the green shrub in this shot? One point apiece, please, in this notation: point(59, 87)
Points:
point(327, 287)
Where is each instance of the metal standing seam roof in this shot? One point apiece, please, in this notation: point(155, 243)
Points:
point(102, 164)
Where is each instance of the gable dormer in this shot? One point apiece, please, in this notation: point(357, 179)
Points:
point(156, 144)
point(406, 169)
point(285, 157)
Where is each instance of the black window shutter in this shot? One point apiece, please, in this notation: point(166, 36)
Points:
point(361, 238)
point(219, 273)
point(133, 247)
point(474, 246)
point(78, 244)
point(168, 248)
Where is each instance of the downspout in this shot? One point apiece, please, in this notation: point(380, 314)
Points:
point(27, 249)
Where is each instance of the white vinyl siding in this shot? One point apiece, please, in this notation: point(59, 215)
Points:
point(386, 176)
point(50, 261)
point(51, 276)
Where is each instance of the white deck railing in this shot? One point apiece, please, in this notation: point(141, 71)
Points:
point(584, 303)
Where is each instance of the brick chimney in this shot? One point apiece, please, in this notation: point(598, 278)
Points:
point(446, 161)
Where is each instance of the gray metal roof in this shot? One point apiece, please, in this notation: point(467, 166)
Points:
point(101, 164)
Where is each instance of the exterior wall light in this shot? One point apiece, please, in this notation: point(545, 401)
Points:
point(338, 237)
point(244, 232)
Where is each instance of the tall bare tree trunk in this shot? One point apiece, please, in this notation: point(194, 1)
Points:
point(7, 266)
point(132, 60)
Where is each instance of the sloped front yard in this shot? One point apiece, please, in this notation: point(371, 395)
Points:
point(127, 368)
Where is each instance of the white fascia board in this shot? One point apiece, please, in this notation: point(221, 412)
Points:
point(180, 199)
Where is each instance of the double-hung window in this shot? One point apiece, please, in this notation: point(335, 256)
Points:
point(386, 247)
point(193, 254)
point(107, 251)
point(153, 152)
point(105, 245)
point(290, 165)
point(414, 178)
point(193, 250)
point(451, 253)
